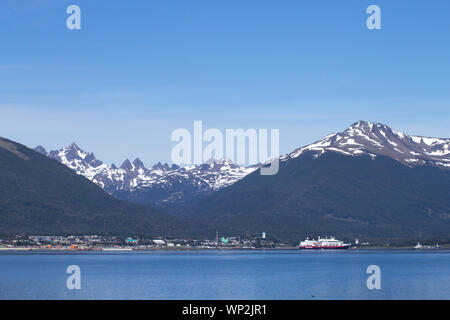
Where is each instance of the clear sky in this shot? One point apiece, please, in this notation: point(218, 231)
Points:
point(137, 70)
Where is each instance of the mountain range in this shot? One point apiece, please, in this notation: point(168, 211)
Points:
point(164, 185)
point(368, 181)
point(160, 185)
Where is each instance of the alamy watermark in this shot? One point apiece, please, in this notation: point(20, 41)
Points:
point(249, 146)
point(374, 281)
point(74, 280)
point(374, 20)
point(74, 20)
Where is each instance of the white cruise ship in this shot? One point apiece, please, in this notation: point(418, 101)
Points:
point(323, 243)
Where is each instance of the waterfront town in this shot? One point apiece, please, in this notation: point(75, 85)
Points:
point(125, 243)
point(134, 243)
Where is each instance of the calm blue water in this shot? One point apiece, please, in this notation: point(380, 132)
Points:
point(227, 275)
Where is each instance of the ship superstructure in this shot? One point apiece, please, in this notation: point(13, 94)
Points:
point(323, 243)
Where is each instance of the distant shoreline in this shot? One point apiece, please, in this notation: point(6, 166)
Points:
point(186, 249)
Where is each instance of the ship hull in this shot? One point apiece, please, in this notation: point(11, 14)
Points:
point(324, 247)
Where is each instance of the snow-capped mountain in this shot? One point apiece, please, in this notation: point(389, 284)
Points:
point(162, 183)
point(368, 181)
point(376, 139)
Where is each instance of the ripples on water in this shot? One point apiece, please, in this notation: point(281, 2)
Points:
point(289, 274)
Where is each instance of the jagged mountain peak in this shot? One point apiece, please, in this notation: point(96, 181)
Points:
point(74, 157)
point(70, 153)
point(74, 146)
point(90, 157)
point(359, 123)
point(218, 164)
point(161, 167)
point(369, 128)
point(126, 165)
point(138, 164)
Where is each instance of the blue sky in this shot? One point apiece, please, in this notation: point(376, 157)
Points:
point(137, 70)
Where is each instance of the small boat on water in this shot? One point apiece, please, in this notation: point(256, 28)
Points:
point(437, 246)
point(418, 246)
point(323, 243)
